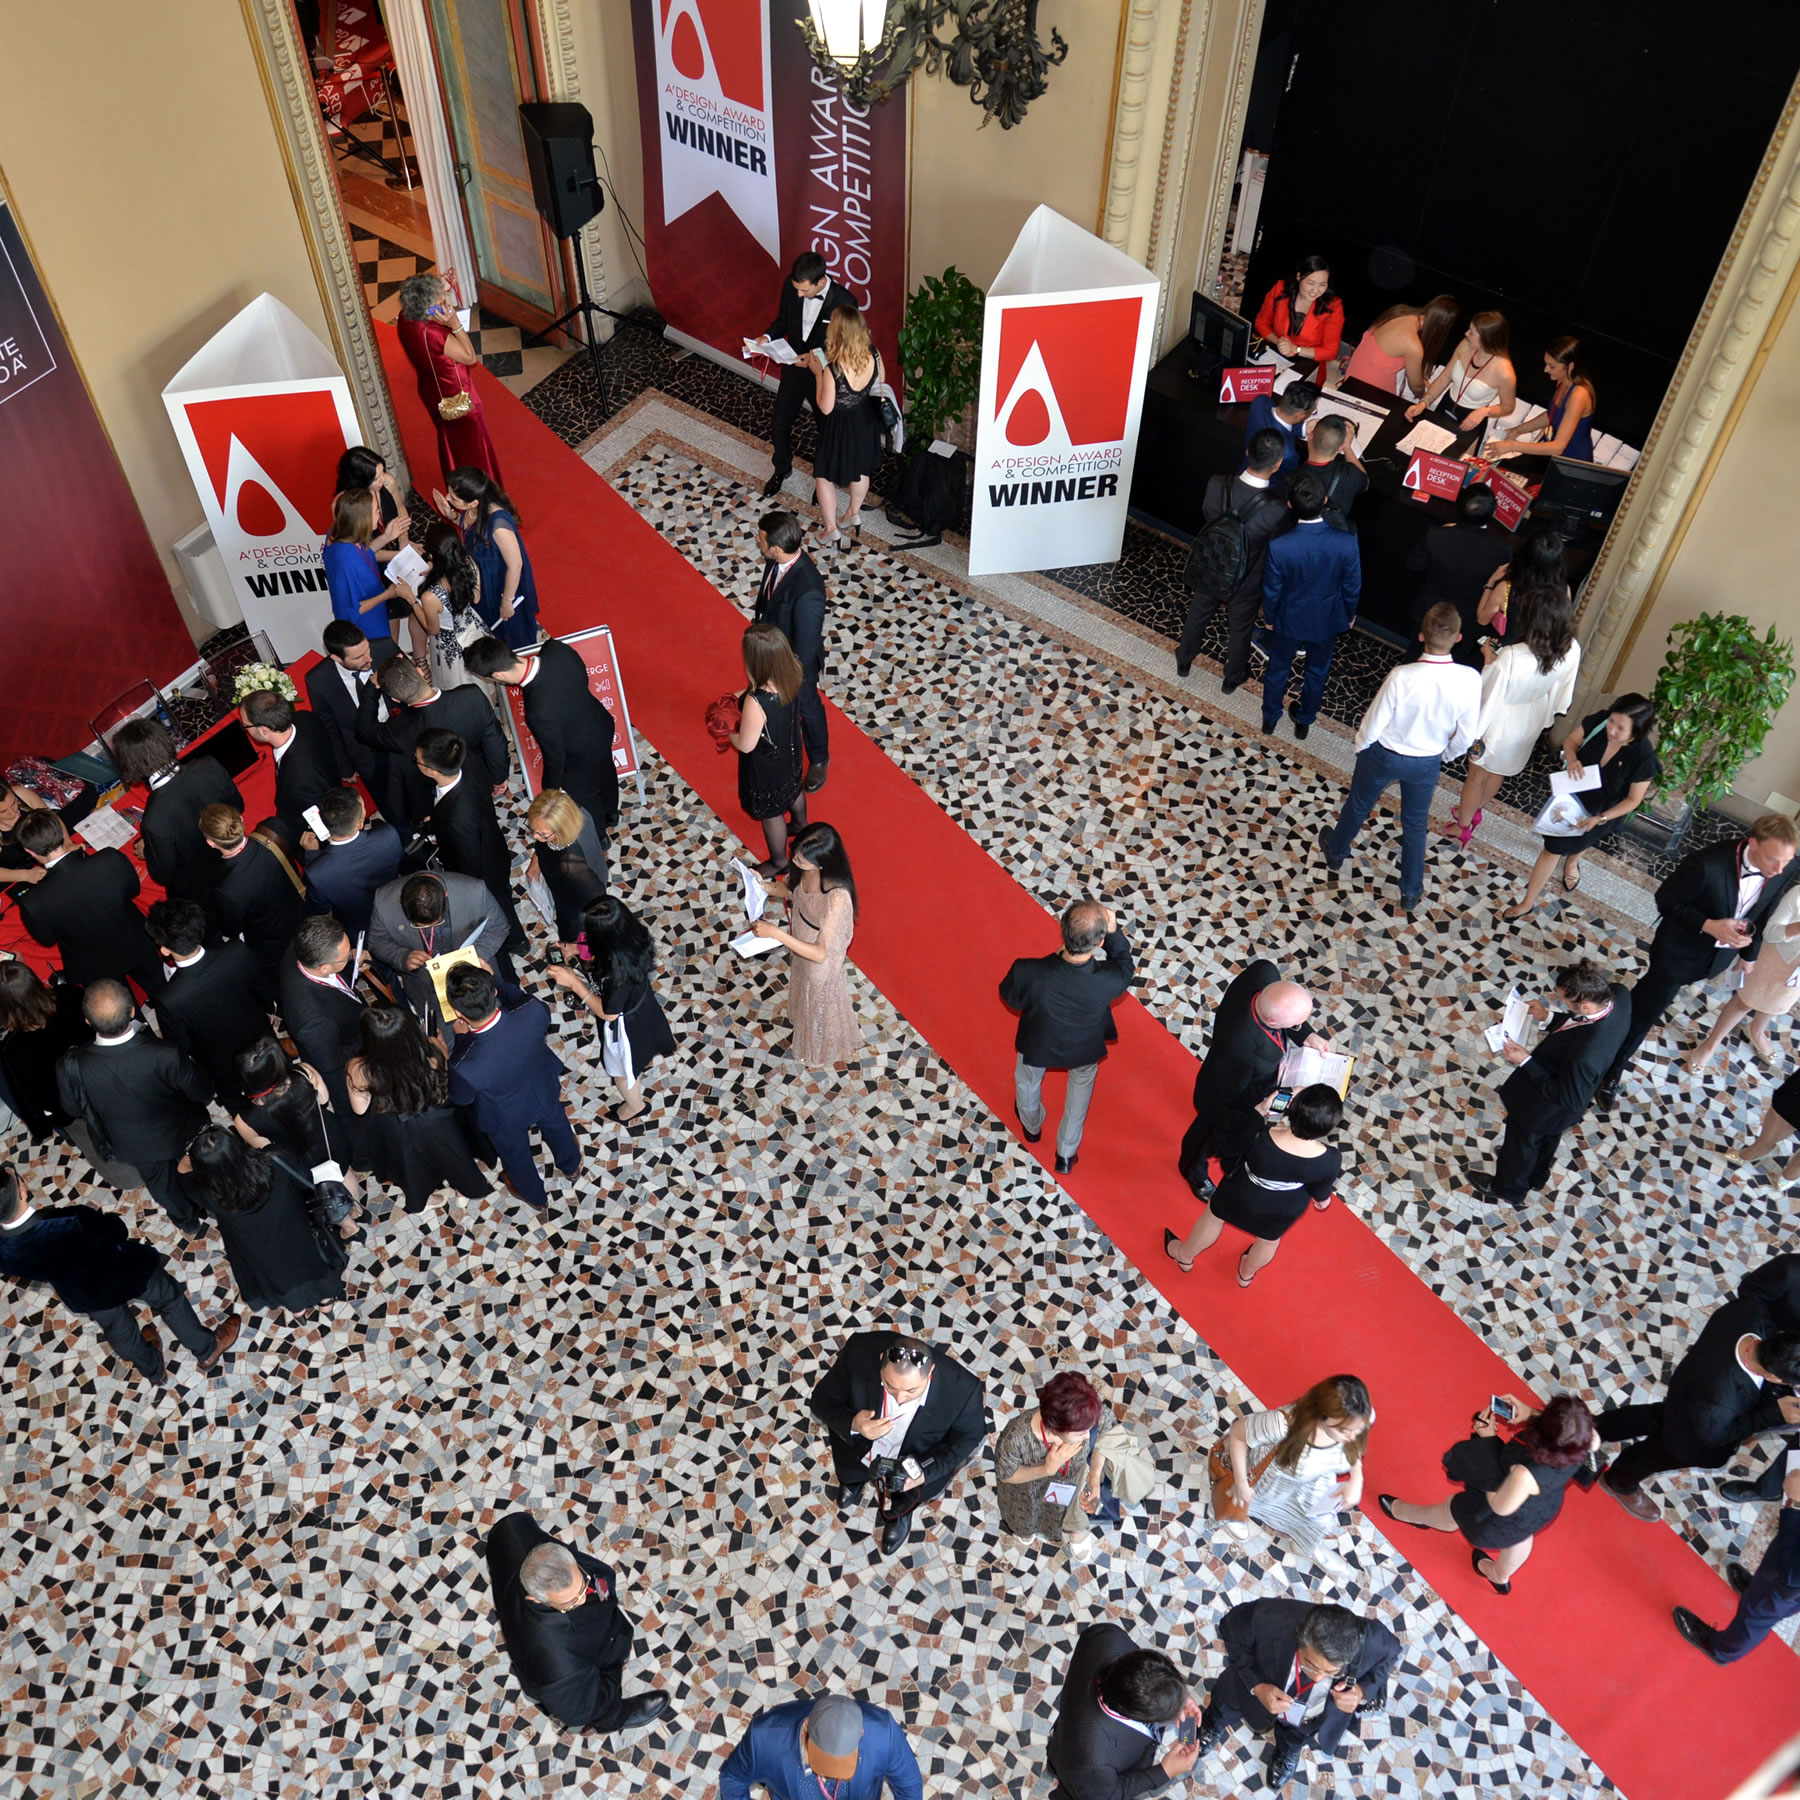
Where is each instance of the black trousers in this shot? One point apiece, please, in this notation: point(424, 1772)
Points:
point(812, 723)
point(169, 1189)
point(1232, 1702)
point(797, 390)
point(1653, 995)
point(853, 1472)
point(1240, 621)
point(1526, 1159)
point(1649, 1455)
point(165, 1297)
point(1769, 1483)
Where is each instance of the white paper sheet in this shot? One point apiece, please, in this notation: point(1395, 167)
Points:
point(1364, 421)
point(105, 829)
point(1516, 1023)
point(1427, 436)
point(315, 823)
point(777, 350)
point(1562, 782)
point(1303, 1066)
point(749, 944)
point(756, 896)
point(407, 565)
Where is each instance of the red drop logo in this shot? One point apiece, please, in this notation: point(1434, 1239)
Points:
point(259, 513)
point(684, 49)
point(1030, 421)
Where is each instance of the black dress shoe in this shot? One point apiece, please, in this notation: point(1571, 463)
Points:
point(772, 486)
point(1065, 1163)
point(815, 775)
point(1182, 669)
point(1589, 1473)
point(640, 1709)
point(1696, 1630)
point(1210, 1738)
point(1324, 842)
point(1300, 730)
point(1229, 687)
point(895, 1533)
point(1482, 1183)
point(1030, 1136)
point(1282, 1764)
point(1744, 1493)
point(1738, 1576)
point(1606, 1096)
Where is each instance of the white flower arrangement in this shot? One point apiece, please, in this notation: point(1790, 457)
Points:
point(262, 678)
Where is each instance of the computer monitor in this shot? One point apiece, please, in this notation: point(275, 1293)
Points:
point(1585, 494)
point(1219, 332)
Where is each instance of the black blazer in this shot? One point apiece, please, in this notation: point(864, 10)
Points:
point(1262, 1636)
point(574, 732)
point(325, 1024)
point(331, 704)
point(1456, 561)
point(945, 1432)
point(1552, 1090)
point(143, 1100)
point(308, 770)
point(797, 606)
point(214, 1008)
point(84, 907)
point(1092, 1755)
point(1704, 886)
point(342, 879)
point(557, 1656)
point(468, 836)
point(174, 851)
point(257, 899)
point(1264, 513)
point(788, 318)
point(1065, 1008)
point(1711, 1405)
point(85, 1254)
point(464, 710)
point(1775, 1287)
point(1243, 1057)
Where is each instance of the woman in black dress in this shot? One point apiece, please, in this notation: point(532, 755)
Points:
point(1287, 1163)
point(401, 1082)
point(265, 1222)
point(767, 740)
point(849, 452)
point(1619, 741)
point(1511, 1491)
point(633, 1031)
point(570, 858)
point(38, 1022)
point(285, 1112)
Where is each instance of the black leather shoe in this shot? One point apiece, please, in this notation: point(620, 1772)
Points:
point(1300, 730)
point(1183, 669)
point(1324, 841)
point(1696, 1630)
point(1229, 687)
point(1065, 1163)
point(772, 486)
point(1745, 1493)
point(1030, 1136)
point(640, 1709)
point(1282, 1764)
point(1589, 1473)
point(895, 1533)
point(1738, 1576)
point(815, 775)
point(1606, 1096)
point(1210, 1738)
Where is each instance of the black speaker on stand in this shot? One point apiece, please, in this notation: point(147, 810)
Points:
point(559, 147)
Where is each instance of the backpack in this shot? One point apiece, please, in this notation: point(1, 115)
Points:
point(930, 497)
point(1220, 558)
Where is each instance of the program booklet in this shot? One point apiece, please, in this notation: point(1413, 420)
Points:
point(1303, 1066)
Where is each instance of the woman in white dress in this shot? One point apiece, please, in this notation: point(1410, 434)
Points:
point(1771, 986)
point(1479, 383)
point(1300, 1466)
point(1524, 686)
point(444, 609)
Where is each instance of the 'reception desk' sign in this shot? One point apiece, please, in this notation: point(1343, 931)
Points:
point(1434, 477)
point(1238, 385)
point(1065, 352)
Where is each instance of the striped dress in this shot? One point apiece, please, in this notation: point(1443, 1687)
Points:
point(1301, 1504)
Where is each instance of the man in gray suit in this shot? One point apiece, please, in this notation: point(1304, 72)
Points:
point(421, 916)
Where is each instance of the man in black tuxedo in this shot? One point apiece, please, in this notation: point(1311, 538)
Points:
point(322, 1010)
point(1065, 1003)
point(1712, 908)
point(306, 765)
point(215, 1002)
point(463, 822)
point(334, 688)
point(1550, 1087)
point(791, 596)
point(1260, 1018)
point(572, 727)
point(175, 853)
point(1774, 1288)
point(808, 299)
point(416, 707)
point(1257, 498)
point(1300, 1670)
point(354, 862)
point(98, 1269)
point(1120, 1721)
point(142, 1099)
point(1457, 561)
point(257, 900)
point(82, 905)
point(1723, 1391)
point(420, 916)
point(892, 1398)
point(564, 1629)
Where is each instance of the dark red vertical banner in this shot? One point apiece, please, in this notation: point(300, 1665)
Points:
point(752, 154)
point(85, 607)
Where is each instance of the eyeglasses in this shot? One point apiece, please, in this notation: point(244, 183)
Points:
point(908, 1357)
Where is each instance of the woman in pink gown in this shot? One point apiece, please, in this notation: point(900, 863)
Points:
point(442, 354)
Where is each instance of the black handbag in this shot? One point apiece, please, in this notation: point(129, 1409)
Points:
point(328, 1204)
point(1477, 1463)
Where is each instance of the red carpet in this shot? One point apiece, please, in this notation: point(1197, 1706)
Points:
point(1586, 1628)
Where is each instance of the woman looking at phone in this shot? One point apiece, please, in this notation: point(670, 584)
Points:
point(442, 353)
point(1511, 1491)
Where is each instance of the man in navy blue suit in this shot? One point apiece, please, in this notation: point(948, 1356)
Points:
point(343, 873)
point(1312, 581)
point(1286, 413)
point(508, 1078)
point(1764, 1598)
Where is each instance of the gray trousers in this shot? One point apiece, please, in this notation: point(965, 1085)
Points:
point(1028, 1091)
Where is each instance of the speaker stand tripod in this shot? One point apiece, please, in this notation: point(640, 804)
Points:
point(587, 309)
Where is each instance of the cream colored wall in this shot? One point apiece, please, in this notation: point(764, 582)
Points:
point(150, 185)
point(603, 54)
point(1741, 552)
point(974, 185)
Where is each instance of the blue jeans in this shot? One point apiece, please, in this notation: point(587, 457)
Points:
point(1376, 769)
point(1282, 651)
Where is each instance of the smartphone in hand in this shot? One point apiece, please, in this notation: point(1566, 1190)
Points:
point(1502, 1409)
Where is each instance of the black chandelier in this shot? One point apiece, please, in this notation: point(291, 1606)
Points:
point(871, 46)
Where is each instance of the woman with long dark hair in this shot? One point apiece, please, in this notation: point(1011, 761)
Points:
point(38, 1022)
point(1310, 1455)
point(1409, 340)
point(1567, 423)
point(287, 1110)
point(820, 893)
point(17, 804)
point(265, 1221)
point(1301, 317)
point(447, 608)
point(1525, 685)
point(361, 471)
point(767, 740)
point(616, 989)
point(1479, 383)
point(1511, 1491)
point(483, 512)
point(1537, 562)
point(400, 1084)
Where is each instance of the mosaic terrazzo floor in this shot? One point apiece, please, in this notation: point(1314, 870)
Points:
point(270, 1582)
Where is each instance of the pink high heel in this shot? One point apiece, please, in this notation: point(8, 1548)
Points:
point(1468, 831)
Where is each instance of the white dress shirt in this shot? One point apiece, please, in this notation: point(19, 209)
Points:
point(1750, 883)
point(809, 317)
point(1427, 708)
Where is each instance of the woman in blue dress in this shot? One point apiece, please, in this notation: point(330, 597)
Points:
point(485, 515)
point(360, 589)
point(1570, 419)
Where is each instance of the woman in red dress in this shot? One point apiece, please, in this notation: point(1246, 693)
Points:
point(442, 354)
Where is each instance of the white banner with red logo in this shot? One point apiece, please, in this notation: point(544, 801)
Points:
point(262, 414)
point(1065, 352)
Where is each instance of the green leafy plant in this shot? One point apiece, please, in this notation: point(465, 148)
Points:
point(1716, 696)
point(940, 353)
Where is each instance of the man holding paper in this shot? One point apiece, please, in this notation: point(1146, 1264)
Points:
point(1551, 1085)
point(808, 299)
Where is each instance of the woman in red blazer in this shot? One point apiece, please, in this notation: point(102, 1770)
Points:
point(1301, 317)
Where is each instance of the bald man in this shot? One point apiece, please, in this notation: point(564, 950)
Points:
point(1259, 1020)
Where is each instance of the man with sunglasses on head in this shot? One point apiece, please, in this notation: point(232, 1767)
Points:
point(902, 1416)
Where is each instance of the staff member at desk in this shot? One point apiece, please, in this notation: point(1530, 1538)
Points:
point(1301, 317)
point(1479, 384)
point(1569, 422)
point(1405, 339)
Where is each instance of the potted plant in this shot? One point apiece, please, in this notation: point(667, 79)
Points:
point(1716, 695)
point(940, 356)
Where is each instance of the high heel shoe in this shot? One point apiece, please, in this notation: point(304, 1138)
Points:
point(1386, 1503)
point(1170, 1240)
point(1468, 831)
point(1499, 1587)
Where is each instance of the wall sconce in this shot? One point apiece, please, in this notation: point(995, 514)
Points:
point(871, 46)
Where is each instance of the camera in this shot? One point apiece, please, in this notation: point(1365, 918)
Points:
point(889, 1479)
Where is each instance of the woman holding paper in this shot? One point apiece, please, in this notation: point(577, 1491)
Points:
point(821, 899)
point(633, 1031)
point(1616, 746)
point(360, 590)
point(568, 859)
point(1567, 424)
point(1771, 986)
